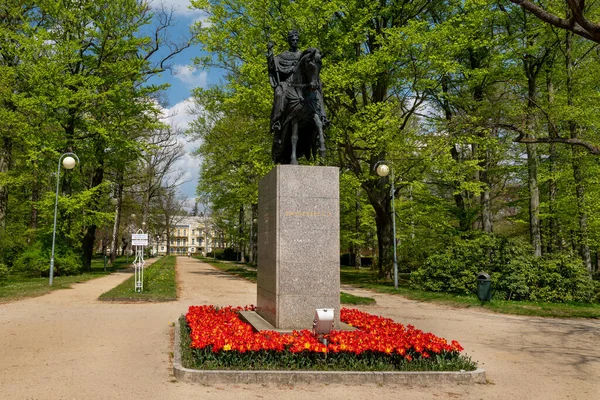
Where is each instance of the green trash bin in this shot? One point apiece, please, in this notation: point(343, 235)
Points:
point(484, 286)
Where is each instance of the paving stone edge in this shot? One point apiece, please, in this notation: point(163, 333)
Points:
point(427, 378)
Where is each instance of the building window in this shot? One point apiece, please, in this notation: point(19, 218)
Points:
point(162, 248)
point(192, 240)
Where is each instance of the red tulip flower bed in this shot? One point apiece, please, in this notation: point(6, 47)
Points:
point(216, 338)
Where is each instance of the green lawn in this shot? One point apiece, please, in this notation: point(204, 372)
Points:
point(160, 284)
point(367, 279)
point(242, 270)
point(347, 298)
point(19, 287)
point(249, 272)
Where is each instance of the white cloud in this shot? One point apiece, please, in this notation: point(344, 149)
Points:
point(190, 167)
point(190, 75)
point(181, 114)
point(180, 8)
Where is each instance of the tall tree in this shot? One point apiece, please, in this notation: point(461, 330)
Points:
point(169, 210)
point(363, 60)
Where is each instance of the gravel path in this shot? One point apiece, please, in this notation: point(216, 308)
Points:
point(69, 345)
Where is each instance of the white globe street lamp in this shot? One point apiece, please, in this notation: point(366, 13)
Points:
point(68, 162)
point(382, 169)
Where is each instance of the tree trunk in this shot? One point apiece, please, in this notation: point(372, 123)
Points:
point(168, 234)
point(482, 156)
point(531, 66)
point(254, 235)
point(485, 197)
point(584, 248)
point(461, 213)
point(355, 247)
point(380, 199)
point(117, 223)
point(87, 245)
point(378, 193)
point(90, 235)
point(35, 197)
point(534, 199)
point(241, 240)
point(486, 212)
point(384, 240)
point(5, 160)
point(554, 243)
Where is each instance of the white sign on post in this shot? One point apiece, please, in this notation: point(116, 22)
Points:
point(139, 239)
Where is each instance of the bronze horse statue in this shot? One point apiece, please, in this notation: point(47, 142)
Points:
point(303, 115)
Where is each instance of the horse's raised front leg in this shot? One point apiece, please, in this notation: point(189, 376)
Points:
point(319, 125)
point(294, 140)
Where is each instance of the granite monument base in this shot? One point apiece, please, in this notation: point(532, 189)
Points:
point(298, 245)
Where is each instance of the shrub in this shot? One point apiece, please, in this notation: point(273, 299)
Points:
point(411, 255)
point(10, 247)
point(560, 278)
point(455, 269)
point(227, 254)
point(516, 274)
point(33, 261)
point(67, 264)
point(3, 273)
point(512, 282)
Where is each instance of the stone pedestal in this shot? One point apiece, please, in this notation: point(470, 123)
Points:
point(298, 245)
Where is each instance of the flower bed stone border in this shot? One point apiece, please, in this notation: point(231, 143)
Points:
point(426, 378)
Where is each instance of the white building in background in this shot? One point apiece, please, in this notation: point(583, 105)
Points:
point(190, 235)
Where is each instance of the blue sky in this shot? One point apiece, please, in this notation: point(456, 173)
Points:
point(183, 78)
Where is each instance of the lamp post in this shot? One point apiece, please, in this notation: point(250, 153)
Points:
point(68, 162)
point(382, 169)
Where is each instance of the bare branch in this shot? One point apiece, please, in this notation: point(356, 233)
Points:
point(160, 39)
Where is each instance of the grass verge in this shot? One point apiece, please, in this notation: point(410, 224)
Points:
point(249, 273)
point(242, 270)
point(347, 298)
point(18, 287)
point(367, 279)
point(160, 284)
point(187, 358)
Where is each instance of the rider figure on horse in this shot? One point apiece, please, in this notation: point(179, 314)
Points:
point(281, 68)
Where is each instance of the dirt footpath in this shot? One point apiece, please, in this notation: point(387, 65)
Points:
point(69, 345)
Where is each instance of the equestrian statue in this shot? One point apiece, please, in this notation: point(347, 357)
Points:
point(298, 115)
